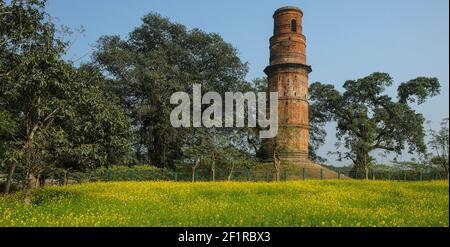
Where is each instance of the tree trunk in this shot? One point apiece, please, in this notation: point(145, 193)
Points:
point(37, 182)
point(42, 180)
point(29, 188)
point(445, 166)
point(30, 136)
point(360, 169)
point(277, 171)
point(27, 200)
point(231, 171)
point(10, 177)
point(66, 178)
point(277, 165)
point(194, 167)
point(163, 158)
point(213, 167)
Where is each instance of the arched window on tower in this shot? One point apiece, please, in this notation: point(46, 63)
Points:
point(294, 25)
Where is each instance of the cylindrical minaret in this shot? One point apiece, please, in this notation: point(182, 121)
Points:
point(288, 75)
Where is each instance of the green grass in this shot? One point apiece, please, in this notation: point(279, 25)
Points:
point(302, 203)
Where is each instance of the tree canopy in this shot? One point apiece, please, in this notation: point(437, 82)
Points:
point(158, 59)
point(369, 119)
point(56, 115)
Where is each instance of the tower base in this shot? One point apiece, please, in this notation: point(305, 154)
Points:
point(298, 168)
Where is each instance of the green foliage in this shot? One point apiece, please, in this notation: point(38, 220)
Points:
point(368, 119)
point(128, 173)
point(439, 144)
point(136, 168)
point(420, 88)
point(8, 125)
point(158, 59)
point(63, 117)
point(410, 165)
point(8, 128)
point(97, 128)
point(319, 116)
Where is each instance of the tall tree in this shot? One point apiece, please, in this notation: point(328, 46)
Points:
point(196, 150)
point(369, 119)
point(56, 105)
point(158, 59)
point(32, 72)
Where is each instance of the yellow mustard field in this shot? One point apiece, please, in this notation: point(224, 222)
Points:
point(301, 203)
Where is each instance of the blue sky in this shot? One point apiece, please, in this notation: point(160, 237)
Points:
point(347, 39)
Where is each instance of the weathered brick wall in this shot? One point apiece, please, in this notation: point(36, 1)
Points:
point(288, 75)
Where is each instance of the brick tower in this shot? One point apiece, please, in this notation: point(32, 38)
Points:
point(288, 75)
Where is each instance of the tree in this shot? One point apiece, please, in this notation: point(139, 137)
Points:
point(158, 59)
point(75, 121)
point(236, 158)
point(61, 112)
point(219, 146)
point(368, 119)
point(439, 144)
point(34, 77)
point(277, 147)
point(197, 149)
point(94, 130)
